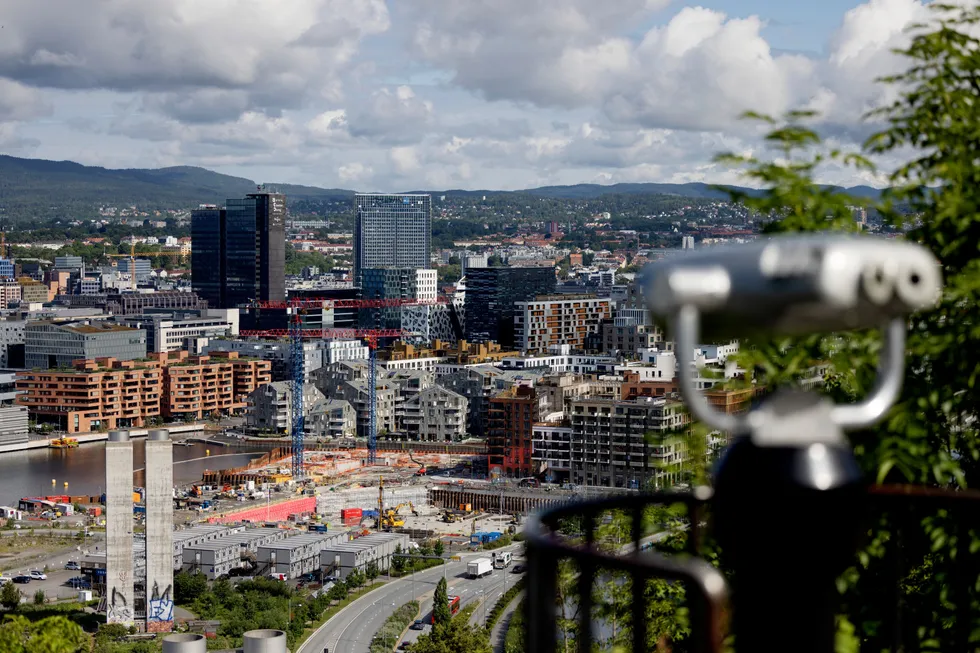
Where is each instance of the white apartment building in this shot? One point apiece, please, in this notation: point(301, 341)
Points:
point(560, 360)
point(345, 350)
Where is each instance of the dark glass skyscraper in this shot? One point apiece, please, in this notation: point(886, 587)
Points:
point(251, 256)
point(207, 254)
point(391, 231)
point(490, 297)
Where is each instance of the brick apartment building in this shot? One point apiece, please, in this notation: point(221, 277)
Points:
point(512, 415)
point(558, 320)
point(106, 393)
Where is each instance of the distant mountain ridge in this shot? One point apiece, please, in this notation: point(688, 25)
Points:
point(34, 184)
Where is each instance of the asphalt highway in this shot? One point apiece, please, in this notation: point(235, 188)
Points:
point(351, 630)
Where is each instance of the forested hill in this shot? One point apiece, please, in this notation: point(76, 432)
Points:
point(36, 188)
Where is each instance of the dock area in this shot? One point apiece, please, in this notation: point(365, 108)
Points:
point(97, 437)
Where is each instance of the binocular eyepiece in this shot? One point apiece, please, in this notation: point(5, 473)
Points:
point(796, 285)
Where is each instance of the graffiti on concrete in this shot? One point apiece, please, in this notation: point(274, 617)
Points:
point(118, 610)
point(161, 606)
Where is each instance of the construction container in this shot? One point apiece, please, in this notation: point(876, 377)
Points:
point(466, 507)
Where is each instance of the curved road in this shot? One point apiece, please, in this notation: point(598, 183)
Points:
point(351, 630)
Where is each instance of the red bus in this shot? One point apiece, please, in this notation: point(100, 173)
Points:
point(453, 607)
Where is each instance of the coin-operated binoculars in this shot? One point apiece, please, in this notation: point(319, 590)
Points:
point(788, 494)
point(788, 497)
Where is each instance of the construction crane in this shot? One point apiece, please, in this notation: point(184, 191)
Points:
point(325, 302)
point(295, 332)
point(296, 407)
point(132, 258)
point(381, 503)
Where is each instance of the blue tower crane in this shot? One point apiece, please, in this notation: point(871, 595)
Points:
point(298, 420)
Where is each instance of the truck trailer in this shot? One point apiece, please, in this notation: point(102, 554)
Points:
point(479, 568)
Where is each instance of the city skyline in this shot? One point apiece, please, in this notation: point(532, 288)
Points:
point(645, 90)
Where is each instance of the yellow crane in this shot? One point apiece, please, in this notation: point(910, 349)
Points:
point(173, 253)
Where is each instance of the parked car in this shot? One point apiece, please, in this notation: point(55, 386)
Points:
point(4, 580)
point(22, 579)
point(72, 565)
point(418, 624)
point(517, 569)
point(37, 574)
point(405, 646)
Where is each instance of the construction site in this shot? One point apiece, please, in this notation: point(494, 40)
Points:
point(420, 489)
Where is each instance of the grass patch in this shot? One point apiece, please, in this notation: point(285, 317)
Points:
point(391, 630)
point(514, 639)
point(467, 611)
point(503, 602)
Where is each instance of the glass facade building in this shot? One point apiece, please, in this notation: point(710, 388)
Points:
point(243, 252)
point(52, 346)
point(391, 231)
point(490, 297)
point(207, 254)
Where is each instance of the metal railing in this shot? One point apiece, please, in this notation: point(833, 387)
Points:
point(790, 602)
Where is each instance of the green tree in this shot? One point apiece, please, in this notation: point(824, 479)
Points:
point(355, 579)
point(338, 592)
point(187, 587)
point(39, 597)
point(439, 548)
point(10, 596)
point(397, 562)
point(454, 637)
point(440, 605)
point(49, 635)
point(371, 571)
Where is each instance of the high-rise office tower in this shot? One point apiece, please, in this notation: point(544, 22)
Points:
point(391, 231)
point(207, 254)
point(248, 237)
point(490, 297)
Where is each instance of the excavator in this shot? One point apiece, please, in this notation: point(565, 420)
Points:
point(421, 469)
point(391, 519)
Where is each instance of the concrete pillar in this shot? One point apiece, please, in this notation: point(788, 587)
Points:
point(159, 532)
point(120, 597)
point(264, 641)
point(185, 643)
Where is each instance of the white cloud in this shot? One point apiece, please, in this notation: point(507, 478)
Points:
point(19, 102)
point(190, 50)
point(354, 172)
point(480, 94)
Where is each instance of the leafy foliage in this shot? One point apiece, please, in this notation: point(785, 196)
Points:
point(441, 615)
point(49, 635)
point(503, 602)
point(393, 627)
point(10, 596)
point(188, 587)
point(454, 637)
point(930, 436)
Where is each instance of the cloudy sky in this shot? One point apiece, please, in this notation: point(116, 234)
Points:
point(435, 94)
